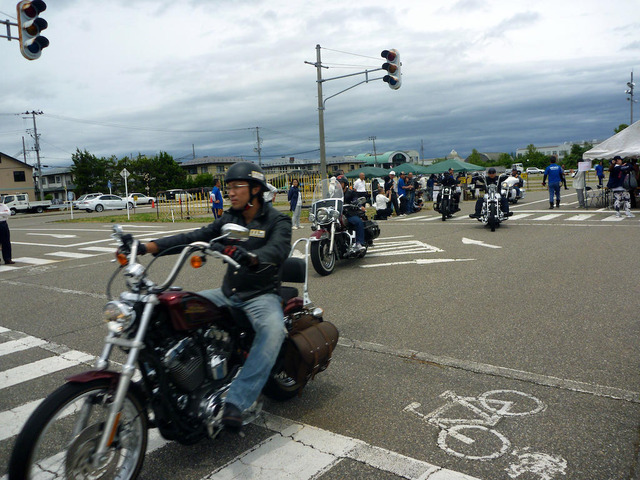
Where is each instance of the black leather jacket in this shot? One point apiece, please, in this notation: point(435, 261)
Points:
point(269, 239)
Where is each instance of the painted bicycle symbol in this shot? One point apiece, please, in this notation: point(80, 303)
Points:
point(469, 435)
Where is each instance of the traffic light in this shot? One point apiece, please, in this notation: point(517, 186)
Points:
point(392, 65)
point(29, 27)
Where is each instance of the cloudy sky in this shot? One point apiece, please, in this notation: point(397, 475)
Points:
point(140, 76)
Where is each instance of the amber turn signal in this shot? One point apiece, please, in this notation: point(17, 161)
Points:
point(197, 261)
point(122, 259)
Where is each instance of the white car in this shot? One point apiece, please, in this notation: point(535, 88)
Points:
point(534, 171)
point(140, 199)
point(86, 196)
point(104, 202)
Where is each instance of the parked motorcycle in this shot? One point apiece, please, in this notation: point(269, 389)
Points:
point(509, 190)
point(187, 352)
point(491, 213)
point(332, 236)
point(445, 203)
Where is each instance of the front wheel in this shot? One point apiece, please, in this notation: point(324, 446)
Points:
point(99, 208)
point(60, 437)
point(323, 261)
point(444, 209)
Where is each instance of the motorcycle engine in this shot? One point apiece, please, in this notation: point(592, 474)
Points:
point(189, 365)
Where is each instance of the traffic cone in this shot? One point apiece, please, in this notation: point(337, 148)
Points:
point(153, 204)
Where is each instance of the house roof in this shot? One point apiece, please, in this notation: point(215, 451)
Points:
point(208, 160)
point(15, 160)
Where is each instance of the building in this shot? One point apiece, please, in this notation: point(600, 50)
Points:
point(560, 151)
point(216, 166)
point(384, 160)
point(16, 176)
point(56, 182)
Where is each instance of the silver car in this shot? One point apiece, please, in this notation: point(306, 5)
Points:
point(104, 202)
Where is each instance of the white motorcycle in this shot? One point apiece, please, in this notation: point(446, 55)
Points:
point(509, 190)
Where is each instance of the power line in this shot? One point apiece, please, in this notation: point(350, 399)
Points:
point(349, 53)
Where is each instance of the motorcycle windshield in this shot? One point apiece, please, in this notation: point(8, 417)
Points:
point(327, 194)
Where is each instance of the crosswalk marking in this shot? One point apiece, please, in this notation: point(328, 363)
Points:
point(99, 249)
point(518, 216)
point(23, 373)
point(34, 261)
point(549, 216)
point(69, 254)
point(613, 218)
point(18, 345)
point(580, 217)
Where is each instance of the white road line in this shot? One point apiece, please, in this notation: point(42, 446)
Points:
point(40, 368)
point(69, 255)
point(549, 216)
point(311, 451)
point(419, 261)
point(18, 345)
point(99, 249)
point(518, 216)
point(580, 217)
point(613, 218)
point(13, 420)
point(34, 261)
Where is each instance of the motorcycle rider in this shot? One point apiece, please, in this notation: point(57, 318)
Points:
point(449, 180)
point(253, 288)
point(354, 220)
point(491, 178)
point(517, 186)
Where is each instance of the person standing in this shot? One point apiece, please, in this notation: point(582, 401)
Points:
point(390, 186)
point(402, 194)
point(600, 173)
point(617, 172)
point(579, 184)
point(556, 176)
point(216, 200)
point(295, 203)
point(5, 237)
point(360, 186)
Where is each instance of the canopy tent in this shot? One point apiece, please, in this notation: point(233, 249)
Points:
point(625, 143)
point(457, 165)
point(408, 167)
point(369, 172)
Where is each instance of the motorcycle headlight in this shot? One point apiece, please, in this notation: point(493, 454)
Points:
point(333, 215)
point(312, 218)
point(322, 215)
point(505, 185)
point(118, 316)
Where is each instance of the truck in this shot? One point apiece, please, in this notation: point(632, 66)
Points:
point(19, 202)
point(517, 166)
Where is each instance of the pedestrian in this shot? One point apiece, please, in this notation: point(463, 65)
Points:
point(216, 200)
point(5, 237)
point(383, 204)
point(617, 173)
point(295, 203)
point(579, 184)
point(410, 189)
point(390, 186)
point(402, 194)
point(633, 185)
point(564, 177)
point(600, 173)
point(270, 194)
point(556, 177)
point(360, 186)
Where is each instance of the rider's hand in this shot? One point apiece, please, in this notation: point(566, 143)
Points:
point(240, 255)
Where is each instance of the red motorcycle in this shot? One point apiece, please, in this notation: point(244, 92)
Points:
point(187, 351)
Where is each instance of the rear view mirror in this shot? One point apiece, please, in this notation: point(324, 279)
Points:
point(235, 232)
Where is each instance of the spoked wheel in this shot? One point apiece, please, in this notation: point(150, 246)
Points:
point(281, 386)
point(323, 261)
point(60, 437)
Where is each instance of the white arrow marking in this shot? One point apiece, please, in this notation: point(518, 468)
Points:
point(54, 235)
point(468, 241)
point(420, 261)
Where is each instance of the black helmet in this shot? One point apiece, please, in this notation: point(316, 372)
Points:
point(246, 171)
point(342, 179)
point(491, 170)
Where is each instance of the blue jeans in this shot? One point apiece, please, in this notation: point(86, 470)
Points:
point(358, 225)
point(554, 188)
point(267, 319)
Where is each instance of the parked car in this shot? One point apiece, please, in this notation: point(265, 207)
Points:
point(140, 199)
point(534, 171)
point(175, 194)
point(86, 196)
point(104, 202)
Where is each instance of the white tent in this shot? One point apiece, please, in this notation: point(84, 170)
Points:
point(625, 143)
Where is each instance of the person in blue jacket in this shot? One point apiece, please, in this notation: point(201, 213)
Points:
point(600, 173)
point(216, 199)
point(556, 178)
point(295, 203)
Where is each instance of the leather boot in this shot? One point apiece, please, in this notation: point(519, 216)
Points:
point(551, 205)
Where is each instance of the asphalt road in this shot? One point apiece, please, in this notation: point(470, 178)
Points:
point(463, 353)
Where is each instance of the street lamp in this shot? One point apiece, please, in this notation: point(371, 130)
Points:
point(629, 92)
point(375, 156)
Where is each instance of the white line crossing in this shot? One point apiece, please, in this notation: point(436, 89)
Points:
point(18, 345)
point(580, 217)
point(40, 368)
point(549, 216)
point(69, 255)
point(518, 216)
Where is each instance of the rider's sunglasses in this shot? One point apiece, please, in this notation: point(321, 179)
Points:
point(237, 187)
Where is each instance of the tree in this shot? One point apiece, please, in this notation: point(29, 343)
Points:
point(621, 127)
point(534, 158)
point(90, 173)
point(475, 158)
point(571, 160)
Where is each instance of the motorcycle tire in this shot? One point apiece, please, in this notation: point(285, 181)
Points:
point(444, 209)
point(323, 262)
point(281, 386)
point(63, 431)
point(492, 218)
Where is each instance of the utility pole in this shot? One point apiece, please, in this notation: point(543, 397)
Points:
point(375, 155)
point(37, 149)
point(323, 154)
point(259, 147)
point(629, 92)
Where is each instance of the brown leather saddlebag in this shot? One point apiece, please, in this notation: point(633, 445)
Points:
point(310, 350)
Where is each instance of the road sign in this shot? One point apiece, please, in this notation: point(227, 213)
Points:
point(124, 173)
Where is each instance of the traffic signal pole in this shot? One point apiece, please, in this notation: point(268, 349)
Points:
point(322, 101)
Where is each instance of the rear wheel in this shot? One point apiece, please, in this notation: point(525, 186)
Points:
point(39, 209)
point(281, 386)
point(60, 437)
point(323, 261)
